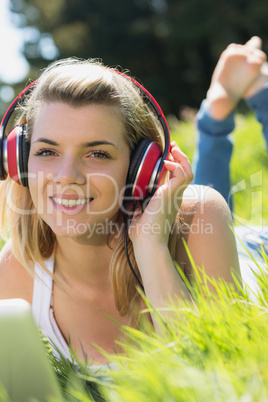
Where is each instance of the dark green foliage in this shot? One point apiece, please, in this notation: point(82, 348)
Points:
point(172, 46)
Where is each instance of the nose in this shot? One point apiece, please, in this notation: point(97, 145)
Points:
point(69, 172)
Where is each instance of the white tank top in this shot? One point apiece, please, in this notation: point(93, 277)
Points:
point(44, 317)
point(42, 309)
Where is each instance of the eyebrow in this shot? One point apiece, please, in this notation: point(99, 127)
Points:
point(84, 145)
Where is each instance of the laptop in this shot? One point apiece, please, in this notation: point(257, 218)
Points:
point(25, 371)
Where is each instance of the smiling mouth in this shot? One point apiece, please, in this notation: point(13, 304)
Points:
point(66, 202)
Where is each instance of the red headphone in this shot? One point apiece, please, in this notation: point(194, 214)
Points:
point(146, 163)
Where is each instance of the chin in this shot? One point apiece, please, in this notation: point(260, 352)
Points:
point(93, 231)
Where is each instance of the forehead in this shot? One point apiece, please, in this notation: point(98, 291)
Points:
point(60, 119)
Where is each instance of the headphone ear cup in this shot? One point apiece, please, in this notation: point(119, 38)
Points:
point(2, 155)
point(24, 150)
point(142, 167)
point(18, 154)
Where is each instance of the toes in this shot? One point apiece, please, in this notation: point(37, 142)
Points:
point(254, 43)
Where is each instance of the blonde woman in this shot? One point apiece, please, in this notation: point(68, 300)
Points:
point(67, 225)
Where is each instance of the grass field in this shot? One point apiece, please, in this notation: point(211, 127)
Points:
point(213, 351)
point(249, 167)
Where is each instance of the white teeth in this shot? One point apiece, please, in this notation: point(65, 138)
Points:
point(71, 203)
point(65, 202)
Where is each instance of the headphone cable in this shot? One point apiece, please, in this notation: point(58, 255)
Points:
point(126, 249)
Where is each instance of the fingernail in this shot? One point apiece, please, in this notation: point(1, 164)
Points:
point(171, 164)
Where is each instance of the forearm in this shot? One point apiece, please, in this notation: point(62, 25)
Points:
point(150, 235)
point(213, 152)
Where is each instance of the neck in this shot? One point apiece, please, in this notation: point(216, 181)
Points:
point(83, 263)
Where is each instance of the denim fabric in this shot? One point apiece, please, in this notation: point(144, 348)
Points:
point(213, 151)
point(259, 103)
point(211, 162)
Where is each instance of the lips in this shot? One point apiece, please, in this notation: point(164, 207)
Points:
point(71, 203)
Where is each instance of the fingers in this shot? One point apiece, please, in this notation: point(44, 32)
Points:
point(179, 167)
point(179, 158)
point(166, 201)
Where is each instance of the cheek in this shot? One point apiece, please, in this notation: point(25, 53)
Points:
point(32, 165)
point(39, 176)
point(36, 168)
point(33, 180)
point(111, 187)
point(33, 174)
point(37, 187)
point(121, 179)
point(33, 188)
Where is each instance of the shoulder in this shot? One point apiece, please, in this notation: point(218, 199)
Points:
point(15, 280)
point(206, 225)
point(204, 203)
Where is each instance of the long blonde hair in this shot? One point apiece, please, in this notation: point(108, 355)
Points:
point(78, 83)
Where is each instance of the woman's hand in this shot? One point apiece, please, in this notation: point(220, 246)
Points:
point(155, 222)
point(149, 232)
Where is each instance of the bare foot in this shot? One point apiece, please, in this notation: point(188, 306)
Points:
point(236, 72)
point(262, 78)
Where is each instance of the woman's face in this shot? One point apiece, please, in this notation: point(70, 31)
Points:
point(78, 165)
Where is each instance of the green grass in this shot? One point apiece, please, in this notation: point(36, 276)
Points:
point(249, 167)
point(213, 350)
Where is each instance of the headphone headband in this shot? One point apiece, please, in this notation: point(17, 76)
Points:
point(15, 103)
point(151, 166)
